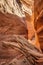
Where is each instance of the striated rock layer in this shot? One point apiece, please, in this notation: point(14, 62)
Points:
point(38, 9)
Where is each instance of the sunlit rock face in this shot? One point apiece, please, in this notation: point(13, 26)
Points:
point(21, 8)
point(16, 6)
point(13, 7)
point(29, 12)
point(24, 8)
point(28, 6)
